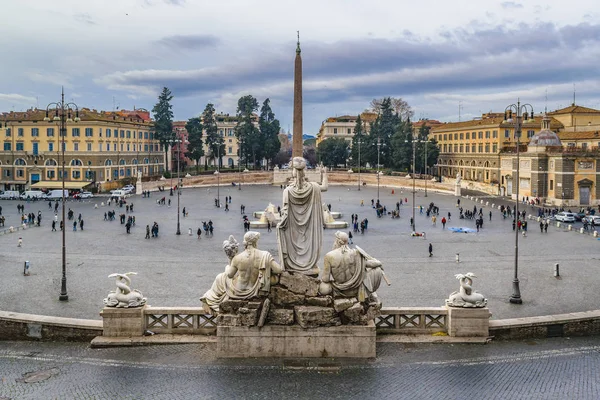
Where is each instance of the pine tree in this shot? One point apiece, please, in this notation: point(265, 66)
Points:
point(269, 131)
point(163, 120)
point(251, 145)
point(195, 149)
point(214, 141)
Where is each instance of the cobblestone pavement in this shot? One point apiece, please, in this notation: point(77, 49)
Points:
point(176, 270)
point(547, 369)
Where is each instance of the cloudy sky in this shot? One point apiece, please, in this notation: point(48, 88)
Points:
point(438, 55)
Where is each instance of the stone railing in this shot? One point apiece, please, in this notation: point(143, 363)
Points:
point(412, 320)
point(179, 320)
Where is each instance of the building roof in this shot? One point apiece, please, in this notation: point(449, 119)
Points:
point(575, 109)
point(365, 117)
point(426, 122)
point(85, 114)
point(579, 135)
point(494, 121)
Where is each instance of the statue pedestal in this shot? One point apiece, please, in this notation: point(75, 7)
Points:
point(350, 341)
point(457, 189)
point(119, 322)
point(468, 322)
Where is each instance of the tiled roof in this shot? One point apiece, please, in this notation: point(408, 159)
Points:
point(498, 122)
point(84, 113)
point(426, 122)
point(574, 109)
point(365, 117)
point(579, 135)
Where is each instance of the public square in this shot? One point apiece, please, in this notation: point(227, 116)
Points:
point(176, 270)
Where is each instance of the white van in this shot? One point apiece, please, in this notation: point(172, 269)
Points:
point(57, 194)
point(32, 194)
point(121, 194)
point(9, 195)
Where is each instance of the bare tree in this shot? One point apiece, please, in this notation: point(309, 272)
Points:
point(399, 105)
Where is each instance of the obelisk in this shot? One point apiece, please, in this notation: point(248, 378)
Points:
point(297, 143)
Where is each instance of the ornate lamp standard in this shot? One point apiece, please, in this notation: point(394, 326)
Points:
point(217, 173)
point(359, 142)
point(379, 145)
point(521, 111)
point(240, 165)
point(414, 143)
point(426, 141)
point(63, 114)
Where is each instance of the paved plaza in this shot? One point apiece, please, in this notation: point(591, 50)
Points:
point(559, 368)
point(176, 270)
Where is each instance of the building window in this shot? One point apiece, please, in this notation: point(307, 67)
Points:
point(584, 146)
point(487, 134)
point(127, 146)
point(20, 146)
point(121, 146)
point(50, 132)
point(230, 150)
point(460, 148)
point(6, 146)
point(456, 148)
point(461, 136)
point(145, 135)
point(50, 174)
point(122, 134)
point(445, 136)
point(506, 133)
point(467, 136)
point(107, 146)
point(487, 147)
point(445, 148)
point(20, 173)
point(35, 132)
point(89, 132)
point(480, 135)
point(335, 131)
point(20, 132)
point(75, 132)
point(128, 134)
point(76, 162)
point(50, 146)
point(473, 148)
point(99, 132)
point(349, 131)
point(76, 174)
point(8, 132)
point(551, 184)
point(134, 147)
point(480, 148)
point(530, 133)
point(456, 136)
point(494, 134)
point(494, 148)
point(89, 147)
point(467, 148)
point(145, 147)
point(63, 146)
point(108, 132)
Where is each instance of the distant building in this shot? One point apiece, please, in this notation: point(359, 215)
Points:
point(343, 127)
point(103, 146)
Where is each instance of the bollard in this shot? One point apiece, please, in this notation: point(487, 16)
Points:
point(595, 233)
point(493, 205)
point(570, 227)
point(457, 257)
point(487, 203)
point(26, 268)
point(539, 219)
point(481, 201)
point(499, 207)
point(556, 270)
point(558, 224)
point(580, 230)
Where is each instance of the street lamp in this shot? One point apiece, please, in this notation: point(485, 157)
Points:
point(359, 143)
point(379, 144)
point(240, 165)
point(63, 114)
point(426, 159)
point(521, 111)
point(217, 173)
point(414, 143)
point(178, 142)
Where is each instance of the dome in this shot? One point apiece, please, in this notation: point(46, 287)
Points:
point(545, 137)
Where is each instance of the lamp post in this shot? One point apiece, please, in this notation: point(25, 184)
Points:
point(379, 144)
point(426, 159)
point(359, 143)
point(217, 173)
point(63, 114)
point(521, 111)
point(414, 143)
point(240, 165)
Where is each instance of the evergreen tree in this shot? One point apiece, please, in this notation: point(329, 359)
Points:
point(195, 148)
point(383, 129)
point(214, 142)
point(333, 151)
point(269, 132)
point(249, 137)
point(163, 120)
point(402, 146)
point(359, 136)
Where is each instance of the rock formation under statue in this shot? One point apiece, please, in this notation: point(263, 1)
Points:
point(300, 231)
point(124, 296)
point(466, 296)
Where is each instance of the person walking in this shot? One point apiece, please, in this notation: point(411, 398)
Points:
point(542, 226)
point(443, 222)
point(199, 233)
point(268, 226)
point(183, 212)
point(350, 237)
point(490, 215)
point(430, 250)
point(53, 226)
point(74, 226)
point(81, 224)
point(147, 231)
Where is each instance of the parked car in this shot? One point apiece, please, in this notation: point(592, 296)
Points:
point(128, 188)
point(579, 216)
point(9, 195)
point(590, 218)
point(57, 194)
point(565, 217)
point(83, 195)
point(32, 194)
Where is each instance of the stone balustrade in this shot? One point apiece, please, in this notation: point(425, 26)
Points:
point(412, 320)
point(179, 320)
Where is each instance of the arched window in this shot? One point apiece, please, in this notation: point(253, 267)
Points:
point(76, 163)
point(51, 162)
point(146, 161)
point(20, 161)
point(134, 161)
point(230, 161)
point(108, 162)
point(156, 161)
point(121, 162)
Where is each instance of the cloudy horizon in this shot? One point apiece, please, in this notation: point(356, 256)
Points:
point(439, 57)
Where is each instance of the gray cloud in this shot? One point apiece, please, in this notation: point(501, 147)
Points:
point(459, 59)
point(189, 42)
point(84, 18)
point(510, 5)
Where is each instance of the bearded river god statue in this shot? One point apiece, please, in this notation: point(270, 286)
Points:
point(248, 274)
point(300, 231)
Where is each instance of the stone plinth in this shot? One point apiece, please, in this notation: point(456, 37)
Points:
point(468, 322)
point(351, 341)
point(336, 225)
point(119, 322)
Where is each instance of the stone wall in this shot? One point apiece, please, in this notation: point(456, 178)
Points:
point(17, 326)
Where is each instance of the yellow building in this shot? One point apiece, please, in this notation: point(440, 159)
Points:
point(343, 127)
point(101, 147)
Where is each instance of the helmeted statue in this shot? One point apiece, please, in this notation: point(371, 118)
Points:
point(351, 272)
point(248, 274)
point(300, 231)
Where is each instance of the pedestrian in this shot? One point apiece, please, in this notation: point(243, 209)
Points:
point(350, 237)
point(490, 215)
point(147, 231)
point(199, 233)
point(433, 220)
point(268, 226)
point(74, 226)
point(20, 243)
point(53, 226)
point(81, 224)
point(190, 232)
point(362, 203)
point(226, 206)
point(183, 211)
point(430, 250)
point(546, 226)
point(62, 225)
point(542, 226)
point(443, 222)
point(449, 216)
